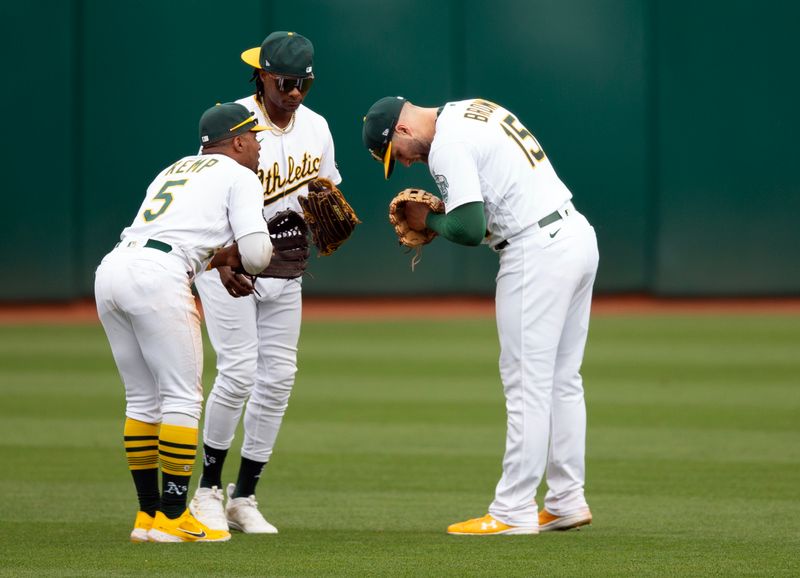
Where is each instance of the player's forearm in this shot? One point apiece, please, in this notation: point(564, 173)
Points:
point(465, 225)
point(251, 253)
point(255, 250)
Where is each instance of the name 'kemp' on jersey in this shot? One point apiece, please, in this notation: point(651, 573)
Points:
point(191, 185)
point(192, 213)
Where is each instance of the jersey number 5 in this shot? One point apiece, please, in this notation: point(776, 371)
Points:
point(166, 197)
point(524, 139)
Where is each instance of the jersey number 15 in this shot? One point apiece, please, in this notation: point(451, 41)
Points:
point(524, 139)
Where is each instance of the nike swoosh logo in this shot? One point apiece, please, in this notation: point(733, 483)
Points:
point(554, 234)
point(200, 534)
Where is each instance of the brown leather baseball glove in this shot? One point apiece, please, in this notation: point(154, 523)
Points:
point(397, 217)
point(330, 217)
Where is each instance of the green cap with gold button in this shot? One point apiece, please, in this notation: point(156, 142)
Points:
point(284, 53)
point(379, 125)
point(225, 121)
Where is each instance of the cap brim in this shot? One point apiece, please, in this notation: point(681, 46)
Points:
point(252, 57)
point(259, 128)
point(388, 162)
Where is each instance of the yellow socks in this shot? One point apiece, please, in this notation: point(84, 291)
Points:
point(177, 450)
point(141, 448)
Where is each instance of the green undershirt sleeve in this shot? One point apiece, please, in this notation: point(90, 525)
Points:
point(465, 225)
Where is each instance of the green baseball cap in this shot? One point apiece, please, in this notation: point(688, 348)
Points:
point(378, 130)
point(224, 121)
point(284, 53)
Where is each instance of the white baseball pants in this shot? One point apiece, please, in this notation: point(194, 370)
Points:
point(146, 306)
point(543, 299)
point(255, 338)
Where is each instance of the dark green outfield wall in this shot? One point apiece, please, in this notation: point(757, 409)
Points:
point(674, 123)
point(726, 129)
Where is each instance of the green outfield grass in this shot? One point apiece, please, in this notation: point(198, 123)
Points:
point(693, 456)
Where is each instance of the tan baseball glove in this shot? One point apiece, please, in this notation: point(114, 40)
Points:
point(397, 216)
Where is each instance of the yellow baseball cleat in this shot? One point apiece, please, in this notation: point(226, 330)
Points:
point(185, 528)
point(487, 526)
point(550, 522)
point(141, 526)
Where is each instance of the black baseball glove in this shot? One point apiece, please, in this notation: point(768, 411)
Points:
point(289, 235)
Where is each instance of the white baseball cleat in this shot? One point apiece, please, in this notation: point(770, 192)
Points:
point(549, 522)
point(207, 507)
point(243, 515)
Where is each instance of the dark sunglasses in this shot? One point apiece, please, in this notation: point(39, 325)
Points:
point(289, 83)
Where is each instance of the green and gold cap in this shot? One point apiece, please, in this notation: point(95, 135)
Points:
point(284, 53)
point(379, 124)
point(224, 121)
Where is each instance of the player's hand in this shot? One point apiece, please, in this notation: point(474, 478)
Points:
point(416, 213)
point(236, 284)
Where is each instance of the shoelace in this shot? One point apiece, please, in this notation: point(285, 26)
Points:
point(251, 502)
point(215, 496)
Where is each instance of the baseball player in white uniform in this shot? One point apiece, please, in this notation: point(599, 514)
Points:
point(193, 209)
point(499, 188)
point(255, 335)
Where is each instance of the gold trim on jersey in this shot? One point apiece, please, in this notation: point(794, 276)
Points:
point(289, 191)
point(298, 173)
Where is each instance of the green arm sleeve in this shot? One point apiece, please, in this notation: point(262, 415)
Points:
point(465, 225)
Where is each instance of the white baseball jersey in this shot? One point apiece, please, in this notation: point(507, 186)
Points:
point(199, 204)
point(256, 337)
point(481, 152)
point(292, 158)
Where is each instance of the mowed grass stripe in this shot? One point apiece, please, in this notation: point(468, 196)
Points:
point(692, 455)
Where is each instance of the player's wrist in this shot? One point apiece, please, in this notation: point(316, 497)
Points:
point(434, 221)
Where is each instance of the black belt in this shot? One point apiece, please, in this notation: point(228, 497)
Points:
point(543, 222)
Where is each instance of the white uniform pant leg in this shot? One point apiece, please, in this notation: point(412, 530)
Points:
point(535, 285)
point(566, 469)
point(147, 310)
point(231, 325)
point(141, 392)
point(279, 318)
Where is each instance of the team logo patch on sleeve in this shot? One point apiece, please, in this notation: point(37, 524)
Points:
point(441, 182)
